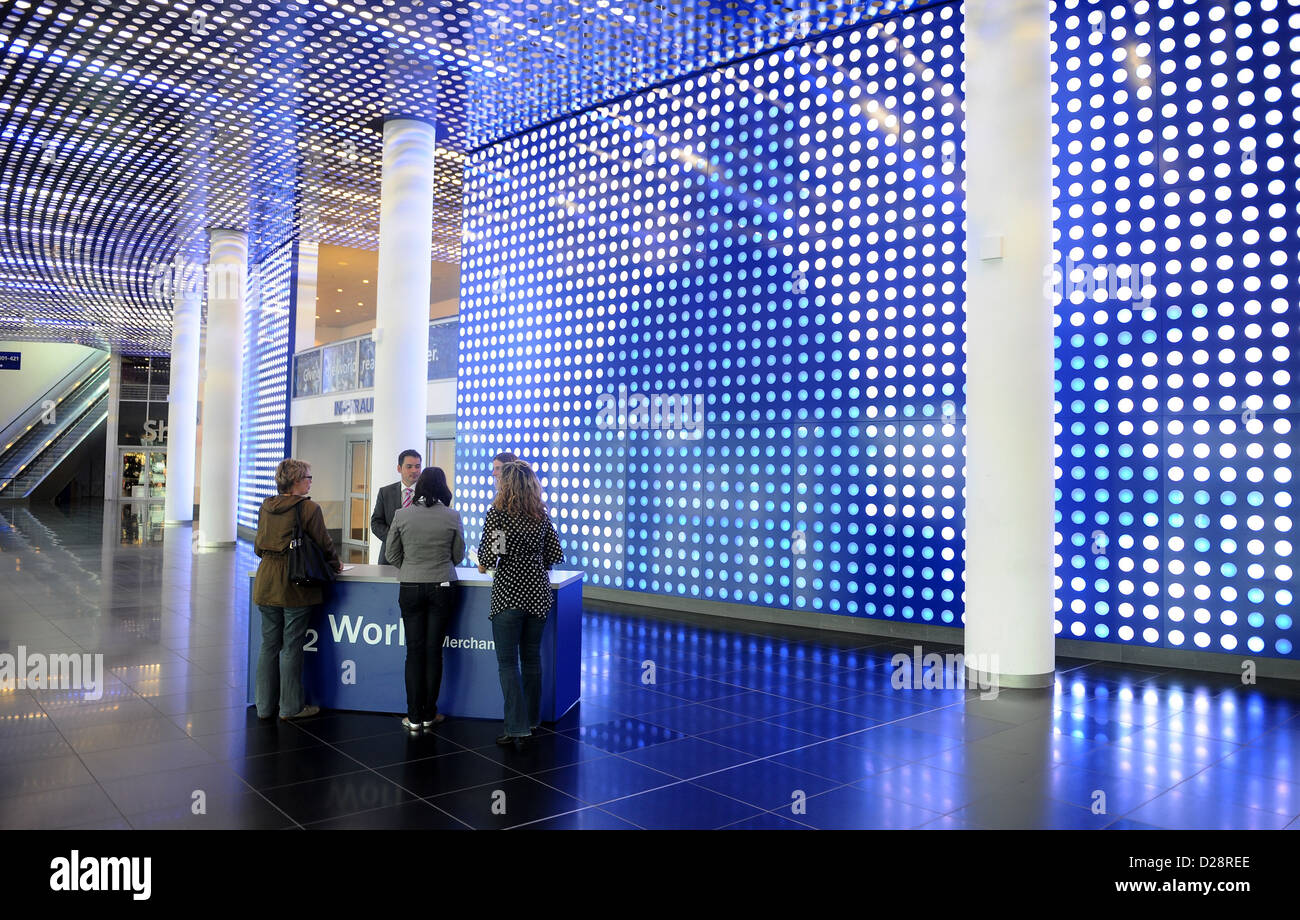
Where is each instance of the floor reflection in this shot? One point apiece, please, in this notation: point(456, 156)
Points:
point(731, 725)
point(142, 522)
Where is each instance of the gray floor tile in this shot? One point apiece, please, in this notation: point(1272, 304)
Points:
point(175, 789)
point(27, 777)
point(145, 758)
point(81, 806)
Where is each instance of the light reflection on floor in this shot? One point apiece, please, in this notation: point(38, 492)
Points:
point(743, 726)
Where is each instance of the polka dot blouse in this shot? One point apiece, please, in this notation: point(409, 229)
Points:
point(522, 552)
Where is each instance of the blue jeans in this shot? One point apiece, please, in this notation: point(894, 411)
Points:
point(279, 666)
point(518, 639)
point(427, 609)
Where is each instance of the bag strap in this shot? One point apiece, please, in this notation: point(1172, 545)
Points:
point(298, 533)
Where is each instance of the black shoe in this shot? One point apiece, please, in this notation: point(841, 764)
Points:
point(523, 744)
point(506, 740)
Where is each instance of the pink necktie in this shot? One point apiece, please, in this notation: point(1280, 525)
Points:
point(406, 498)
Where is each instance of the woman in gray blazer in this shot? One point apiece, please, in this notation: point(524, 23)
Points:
point(426, 542)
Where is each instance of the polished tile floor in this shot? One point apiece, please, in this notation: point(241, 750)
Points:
point(742, 726)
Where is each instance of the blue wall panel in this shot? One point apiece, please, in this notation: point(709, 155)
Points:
point(780, 239)
point(783, 238)
point(1176, 156)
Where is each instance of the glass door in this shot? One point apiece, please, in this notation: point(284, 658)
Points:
point(157, 463)
point(144, 474)
point(135, 477)
point(356, 529)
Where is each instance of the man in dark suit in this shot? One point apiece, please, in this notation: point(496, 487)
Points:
point(393, 497)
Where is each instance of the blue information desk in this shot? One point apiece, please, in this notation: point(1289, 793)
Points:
point(355, 656)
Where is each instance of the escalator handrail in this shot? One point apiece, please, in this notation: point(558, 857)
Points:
point(87, 367)
point(58, 438)
point(24, 454)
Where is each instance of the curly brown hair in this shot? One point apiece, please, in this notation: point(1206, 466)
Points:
point(520, 494)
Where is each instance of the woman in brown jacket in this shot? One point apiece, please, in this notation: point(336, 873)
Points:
point(286, 607)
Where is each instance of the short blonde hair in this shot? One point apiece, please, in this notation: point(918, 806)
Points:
point(289, 472)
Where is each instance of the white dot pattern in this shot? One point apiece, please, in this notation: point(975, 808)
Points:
point(1176, 161)
point(784, 236)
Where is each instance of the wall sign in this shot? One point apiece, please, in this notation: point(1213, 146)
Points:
point(339, 367)
point(444, 345)
point(351, 407)
point(350, 365)
point(307, 374)
point(11, 360)
point(366, 364)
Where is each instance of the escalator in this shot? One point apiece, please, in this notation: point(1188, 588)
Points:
point(54, 427)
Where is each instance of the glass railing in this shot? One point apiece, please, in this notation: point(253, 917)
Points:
point(349, 364)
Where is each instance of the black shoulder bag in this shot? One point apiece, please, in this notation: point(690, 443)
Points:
point(307, 563)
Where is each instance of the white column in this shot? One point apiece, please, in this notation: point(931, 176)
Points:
point(1009, 425)
point(223, 366)
point(304, 325)
point(402, 299)
point(112, 460)
point(183, 398)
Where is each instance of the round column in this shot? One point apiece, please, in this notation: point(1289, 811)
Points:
point(402, 300)
point(1009, 373)
point(223, 365)
point(304, 319)
point(183, 398)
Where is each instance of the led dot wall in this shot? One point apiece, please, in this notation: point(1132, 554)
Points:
point(264, 438)
point(770, 254)
point(1176, 180)
point(724, 320)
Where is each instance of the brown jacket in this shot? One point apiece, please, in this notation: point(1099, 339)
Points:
point(275, 521)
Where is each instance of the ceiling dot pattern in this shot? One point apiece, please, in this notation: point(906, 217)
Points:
point(129, 128)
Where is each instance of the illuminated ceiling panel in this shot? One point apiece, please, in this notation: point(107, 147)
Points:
point(127, 128)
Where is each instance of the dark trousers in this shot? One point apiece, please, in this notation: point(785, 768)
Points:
point(427, 609)
point(518, 639)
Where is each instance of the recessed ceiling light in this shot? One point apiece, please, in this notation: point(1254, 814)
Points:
point(340, 290)
point(337, 310)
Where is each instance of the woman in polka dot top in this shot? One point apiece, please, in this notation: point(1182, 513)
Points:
point(519, 541)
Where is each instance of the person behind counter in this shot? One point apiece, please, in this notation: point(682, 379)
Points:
point(519, 541)
point(499, 461)
point(393, 497)
point(426, 543)
point(286, 608)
